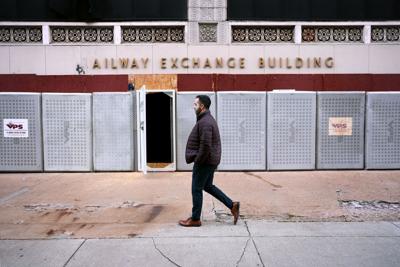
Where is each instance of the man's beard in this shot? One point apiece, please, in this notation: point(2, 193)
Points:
point(197, 111)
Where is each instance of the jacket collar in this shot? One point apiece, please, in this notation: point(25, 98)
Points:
point(201, 115)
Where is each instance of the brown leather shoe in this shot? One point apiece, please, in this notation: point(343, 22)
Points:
point(235, 211)
point(190, 223)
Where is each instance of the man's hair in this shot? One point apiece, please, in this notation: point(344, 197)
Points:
point(205, 100)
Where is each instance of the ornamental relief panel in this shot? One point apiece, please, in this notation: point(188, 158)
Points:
point(208, 32)
point(262, 34)
point(329, 34)
point(20, 34)
point(145, 34)
point(385, 34)
point(84, 34)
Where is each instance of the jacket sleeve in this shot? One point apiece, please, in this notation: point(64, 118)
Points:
point(205, 144)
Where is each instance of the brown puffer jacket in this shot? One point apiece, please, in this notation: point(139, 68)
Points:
point(204, 143)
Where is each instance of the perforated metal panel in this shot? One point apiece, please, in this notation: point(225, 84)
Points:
point(383, 131)
point(242, 121)
point(112, 132)
point(21, 153)
point(186, 119)
point(340, 130)
point(291, 130)
point(67, 132)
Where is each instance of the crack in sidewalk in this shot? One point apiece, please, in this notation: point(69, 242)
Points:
point(254, 243)
point(162, 254)
point(258, 253)
point(262, 179)
point(244, 251)
point(398, 226)
point(70, 258)
point(247, 228)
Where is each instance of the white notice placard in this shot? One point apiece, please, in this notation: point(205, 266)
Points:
point(15, 128)
point(341, 126)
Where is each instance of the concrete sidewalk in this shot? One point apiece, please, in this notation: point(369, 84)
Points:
point(120, 205)
point(250, 243)
point(309, 218)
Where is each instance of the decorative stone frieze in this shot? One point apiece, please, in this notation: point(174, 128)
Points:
point(205, 27)
point(208, 32)
point(385, 34)
point(330, 34)
point(20, 34)
point(81, 34)
point(262, 34)
point(156, 34)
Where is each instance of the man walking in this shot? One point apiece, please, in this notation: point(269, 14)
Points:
point(204, 149)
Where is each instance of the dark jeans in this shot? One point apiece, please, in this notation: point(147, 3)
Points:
point(202, 179)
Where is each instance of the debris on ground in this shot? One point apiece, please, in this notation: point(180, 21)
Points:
point(370, 210)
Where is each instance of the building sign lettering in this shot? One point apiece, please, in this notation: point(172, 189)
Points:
point(215, 63)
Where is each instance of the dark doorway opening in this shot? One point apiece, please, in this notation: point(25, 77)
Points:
point(159, 127)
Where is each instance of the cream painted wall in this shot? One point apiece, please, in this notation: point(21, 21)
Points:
point(27, 59)
point(384, 59)
point(61, 60)
point(4, 59)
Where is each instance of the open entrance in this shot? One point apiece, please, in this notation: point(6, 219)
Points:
point(157, 130)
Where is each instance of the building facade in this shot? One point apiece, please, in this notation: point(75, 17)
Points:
point(330, 52)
